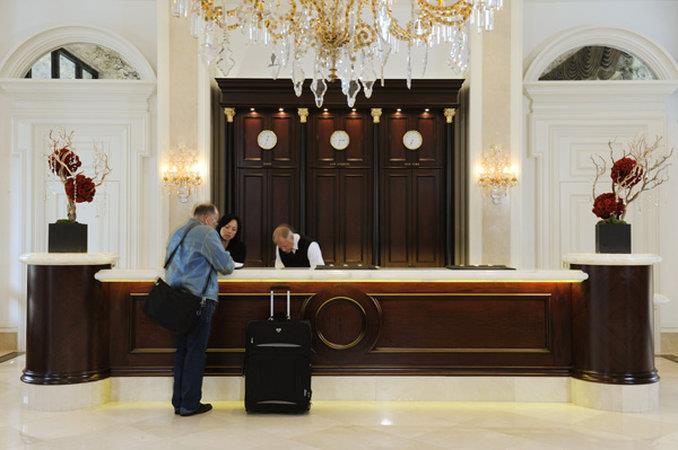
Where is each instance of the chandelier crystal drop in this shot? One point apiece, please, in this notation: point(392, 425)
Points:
point(348, 40)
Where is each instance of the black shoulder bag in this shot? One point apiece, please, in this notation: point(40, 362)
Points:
point(175, 309)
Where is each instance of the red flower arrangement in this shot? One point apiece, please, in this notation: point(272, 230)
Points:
point(626, 172)
point(641, 168)
point(64, 163)
point(607, 205)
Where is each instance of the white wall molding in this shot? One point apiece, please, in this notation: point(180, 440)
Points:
point(21, 58)
point(116, 95)
point(598, 95)
point(649, 51)
point(116, 114)
point(568, 122)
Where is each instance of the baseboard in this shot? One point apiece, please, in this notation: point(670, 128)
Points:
point(8, 340)
point(367, 388)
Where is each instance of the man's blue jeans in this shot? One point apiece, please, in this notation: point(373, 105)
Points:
point(189, 361)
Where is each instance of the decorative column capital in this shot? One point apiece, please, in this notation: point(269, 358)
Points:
point(303, 114)
point(449, 114)
point(376, 115)
point(230, 114)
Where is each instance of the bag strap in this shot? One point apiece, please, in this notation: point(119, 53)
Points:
point(171, 256)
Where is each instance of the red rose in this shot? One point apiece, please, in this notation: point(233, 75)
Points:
point(606, 205)
point(625, 172)
point(65, 156)
point(84, 189)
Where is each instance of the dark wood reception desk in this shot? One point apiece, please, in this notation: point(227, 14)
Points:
point(368, 322)
point(580, 335)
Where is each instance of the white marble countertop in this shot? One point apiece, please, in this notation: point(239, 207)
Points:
point(69, 259)
point(612, 259)
point(401, 275)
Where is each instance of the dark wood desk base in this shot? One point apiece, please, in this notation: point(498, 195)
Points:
point(368, 328)
point(612, 326)
point(67, 334)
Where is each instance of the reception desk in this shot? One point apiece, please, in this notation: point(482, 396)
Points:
point(580, 335)
point(370, 322)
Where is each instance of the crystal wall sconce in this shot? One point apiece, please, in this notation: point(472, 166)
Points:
point(182, 172)
point(496, 174)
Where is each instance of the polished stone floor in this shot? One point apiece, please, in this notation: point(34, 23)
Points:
point(340, 425)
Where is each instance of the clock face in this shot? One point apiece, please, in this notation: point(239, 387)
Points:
point(412, 140)
point(267, 139)
point(339, 140)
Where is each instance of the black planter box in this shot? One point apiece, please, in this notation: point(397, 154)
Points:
point(67, 237)
point(613, 238)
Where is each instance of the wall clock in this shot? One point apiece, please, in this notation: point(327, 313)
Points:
point(339, 140)
point(267, 139)
point(412, 140)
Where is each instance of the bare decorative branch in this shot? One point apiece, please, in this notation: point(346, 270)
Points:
point(66, 164)
point(641, 168)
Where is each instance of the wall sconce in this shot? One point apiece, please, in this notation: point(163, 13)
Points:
point(496, 174)
point(182, 172)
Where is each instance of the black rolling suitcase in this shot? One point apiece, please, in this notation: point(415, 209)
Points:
point(278, 363)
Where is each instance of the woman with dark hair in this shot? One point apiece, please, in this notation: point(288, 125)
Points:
point(229, 232)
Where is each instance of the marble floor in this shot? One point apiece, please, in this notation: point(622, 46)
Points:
point(340, 425)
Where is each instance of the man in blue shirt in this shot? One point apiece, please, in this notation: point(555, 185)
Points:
point(194, 268)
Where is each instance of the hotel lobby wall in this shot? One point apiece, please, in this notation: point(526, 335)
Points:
point(19, 22)
point(493, 100)
point(616, 117)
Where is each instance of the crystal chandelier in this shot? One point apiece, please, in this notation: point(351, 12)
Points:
point(348, 40)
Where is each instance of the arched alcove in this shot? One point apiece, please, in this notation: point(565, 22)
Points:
point(20, 60)
point(572, 116)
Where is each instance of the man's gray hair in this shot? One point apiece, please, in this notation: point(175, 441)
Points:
point(281, 231)
point(204, 209)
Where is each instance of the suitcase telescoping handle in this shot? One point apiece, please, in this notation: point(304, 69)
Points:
point(279, 288)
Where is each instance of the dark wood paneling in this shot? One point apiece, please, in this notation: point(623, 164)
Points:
point(368, 151)
point(283, 202)
point(426, 236)
point(432, 150)
point(260, 92)
point(355, 216)
point(372, 328)
point(285, 126)
point(396, 211)
point(358, 126)
point(251, 201)
point(612, 332)
point(321, 152)
point(267, 187)
point(67, 330)
point(394, 153)
point(508, 321)
point(324, 226)
point(248, 126)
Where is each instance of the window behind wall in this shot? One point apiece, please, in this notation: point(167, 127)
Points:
point(82, 61)
point(62, 64)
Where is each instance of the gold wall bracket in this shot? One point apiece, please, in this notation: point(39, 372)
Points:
point(449, 114)
point(230, 114)
point(376, 115)
point(303, 114)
